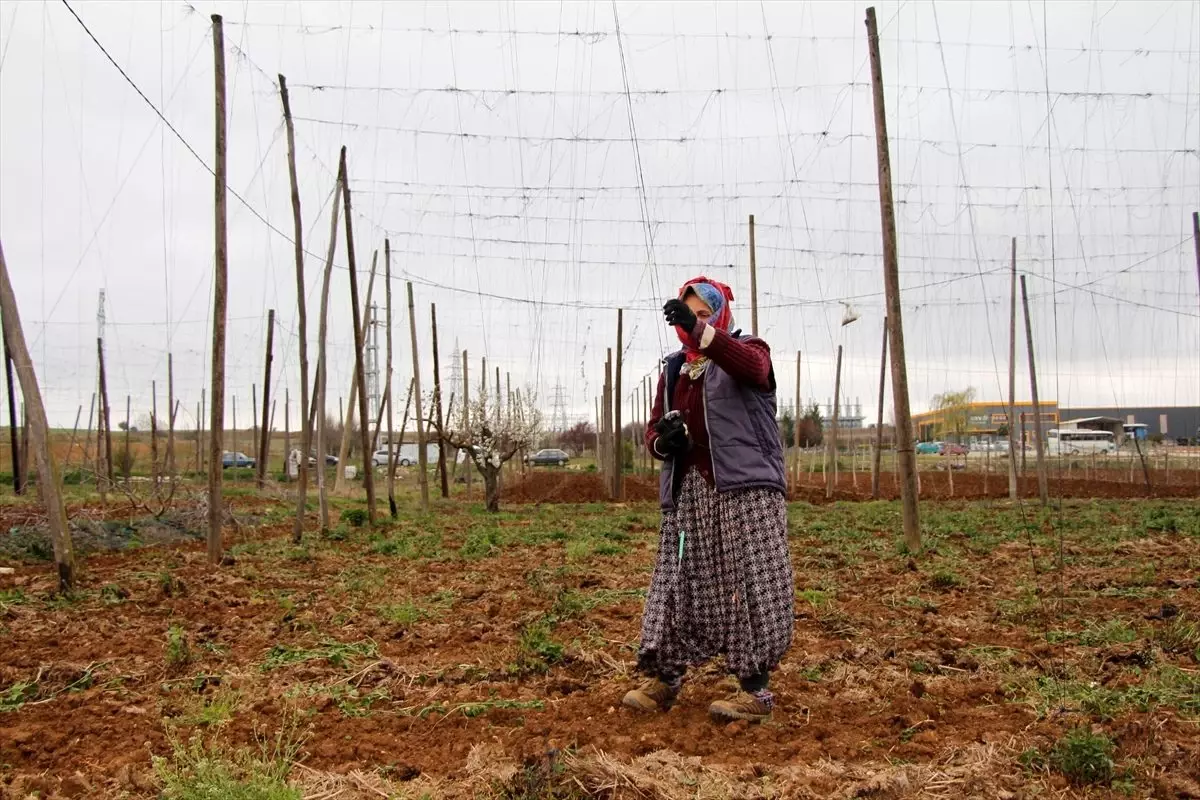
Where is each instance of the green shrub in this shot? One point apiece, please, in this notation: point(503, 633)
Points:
point(1084, 757)
point(357, 517)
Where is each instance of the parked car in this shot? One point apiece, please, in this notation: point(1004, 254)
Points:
point(953, 449)
point(330, 461)
point(929, 448)
point(406, 455)
point(236, 460)
point(545, 458)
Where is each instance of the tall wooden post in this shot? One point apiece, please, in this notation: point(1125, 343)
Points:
point(831, 439)
point(200, 428)
point(360, 332)
point(606, 416)
point(170, 465)
point(391, 465)
point(302, 323)
point(221, 269)
point(127, 461)
point(753, 282)
point(264, 437)
point(233, 402)
point(422, 458)
point(618, 438)
point(468, 463)
point(796, 429)
point(1039, 444)
point(1013, 490)
point(14, 440)
point(437, 402)
point(75, 432)
point(351, 409)
point(287, 433)
point(877, 460)
point(153, 433)
point(1196, 243)
point(49, 480)
point(906, 456)
point(105, 421)
point(322, 373)
point(254, 425)
point(88, 434)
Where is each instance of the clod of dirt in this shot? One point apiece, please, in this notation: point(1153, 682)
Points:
point(736, 727)
point(917, 689)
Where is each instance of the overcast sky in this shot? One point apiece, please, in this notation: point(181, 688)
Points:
point(492, 143)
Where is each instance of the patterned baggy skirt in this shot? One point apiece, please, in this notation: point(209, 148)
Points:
point(728, 590)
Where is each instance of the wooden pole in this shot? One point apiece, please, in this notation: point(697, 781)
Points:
point(1013, 490)
point(351, 409)
point(75, 431)
point(796, 430)
point(360, 332)
point(391, 465)
point(217, 421)
point(14, 441)
point(322, 372)
point(437, 400)
point(254, 425)
point(606, 416)
point(877, 460)
point(1039, 443)
point(619, 449)
point(153, 433)
point(106, 421)
point(302, 324)
point(87, 439)
point(264, 438)
point(200, 426)
point(233, 400)
point(1196, 242)
point(127, 462)
point(422, 458)
point(170, 465)
point(906, 456)
point(753, 282)
point(831, 454)
point(468, 464)
point(49, 480)
point(287, 434)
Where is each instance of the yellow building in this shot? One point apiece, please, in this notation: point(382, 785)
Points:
point(982, 419)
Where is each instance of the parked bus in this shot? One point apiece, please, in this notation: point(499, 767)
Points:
point(1076, 442)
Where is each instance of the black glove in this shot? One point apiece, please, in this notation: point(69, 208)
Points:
point(677, 312)
point(672, 436)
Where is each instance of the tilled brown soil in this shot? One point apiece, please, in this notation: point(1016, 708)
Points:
point(873, 680)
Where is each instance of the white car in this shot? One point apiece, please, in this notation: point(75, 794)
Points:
point(406, 455)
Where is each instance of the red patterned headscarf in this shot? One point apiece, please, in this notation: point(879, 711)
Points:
point(717, 296)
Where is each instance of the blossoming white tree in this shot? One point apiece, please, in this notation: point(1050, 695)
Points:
point(491, 436)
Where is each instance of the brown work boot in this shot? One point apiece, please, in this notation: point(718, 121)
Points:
point(741, 705)
point(653, 695)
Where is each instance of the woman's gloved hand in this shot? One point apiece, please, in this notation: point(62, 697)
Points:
point(677, 313)
point(672, 435)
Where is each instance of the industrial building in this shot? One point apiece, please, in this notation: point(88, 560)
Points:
point(988, 418)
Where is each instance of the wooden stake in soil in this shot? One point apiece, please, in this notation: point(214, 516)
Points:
point(796, 430)
point(287, 434)
point(422, 457)
point(905, 453)
point(1039, 443)
point(1012, 378)
point(877, 459)
point(831, 441)
point(79, 413)
point(49, 481)
point(254, 426)
point(264, 439)
point(105, 422)
point(360, 332)
point(322, 375)
point(87, 438)
point(466, 404)
point(339, 484)
point(200, 436)
point(391, 465)
point(14, 443)
point(127, 461)
point(437, 401)
point(170, 465)
point(753, 283)
point(153, 433)
point(302, 325)
point(619, 449)
point(221, 269)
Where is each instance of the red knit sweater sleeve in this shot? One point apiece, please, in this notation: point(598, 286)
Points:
point(747, 360)
point(656, 413)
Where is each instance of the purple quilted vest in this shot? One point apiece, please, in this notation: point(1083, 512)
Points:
point(743, 436)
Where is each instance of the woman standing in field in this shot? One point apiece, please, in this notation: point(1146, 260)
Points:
point(722, 581)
